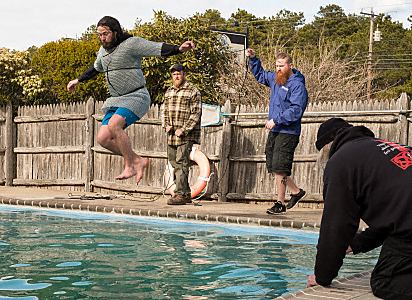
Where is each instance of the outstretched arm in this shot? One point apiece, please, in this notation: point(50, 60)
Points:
point(186, 46)
point(89, 74)
point(169, 50)
point(255, 65)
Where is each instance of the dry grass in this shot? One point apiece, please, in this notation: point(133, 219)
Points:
point(328, 78)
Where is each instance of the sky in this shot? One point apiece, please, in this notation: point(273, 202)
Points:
point(25, 23)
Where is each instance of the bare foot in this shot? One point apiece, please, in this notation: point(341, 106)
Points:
point(140, 164)
point(127, 173)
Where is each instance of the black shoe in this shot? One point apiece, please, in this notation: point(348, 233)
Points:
point(295, 199)
point(278, 208)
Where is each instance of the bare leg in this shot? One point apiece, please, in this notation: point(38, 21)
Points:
point(105, 139)
point(114, 138)
point(292, 186)
point(281, 181)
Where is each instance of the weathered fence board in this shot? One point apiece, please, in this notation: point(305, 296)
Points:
point(3, 133)
point(51, 146)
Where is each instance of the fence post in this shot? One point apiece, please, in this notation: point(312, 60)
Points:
point(10, 157)
point(403, 119)
point(224, 155)
point(89, 145)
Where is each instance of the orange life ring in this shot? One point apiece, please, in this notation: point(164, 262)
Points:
point(204, 172)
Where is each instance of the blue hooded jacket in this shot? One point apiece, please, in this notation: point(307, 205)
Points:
point(287, 102)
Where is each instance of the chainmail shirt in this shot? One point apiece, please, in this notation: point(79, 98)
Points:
point(124, 76)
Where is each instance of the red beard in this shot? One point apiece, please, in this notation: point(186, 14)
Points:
point(281, 78)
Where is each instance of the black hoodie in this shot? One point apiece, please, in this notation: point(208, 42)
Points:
point(365, 178)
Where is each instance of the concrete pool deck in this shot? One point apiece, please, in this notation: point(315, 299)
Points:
point(355, 287)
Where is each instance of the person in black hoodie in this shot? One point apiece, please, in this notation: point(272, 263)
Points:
point(370, 179)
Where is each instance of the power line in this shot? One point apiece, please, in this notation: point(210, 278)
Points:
point(390, 69)
point(392, 55)
point(386, 5)
point(395, 60)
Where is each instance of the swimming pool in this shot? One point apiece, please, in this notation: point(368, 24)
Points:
point(52, 254)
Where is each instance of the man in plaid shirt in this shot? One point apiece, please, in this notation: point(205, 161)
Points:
point(182, 113)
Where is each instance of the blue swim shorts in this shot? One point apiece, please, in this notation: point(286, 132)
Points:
point(129, 116)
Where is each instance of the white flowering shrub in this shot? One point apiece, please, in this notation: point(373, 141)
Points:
point(17, 79)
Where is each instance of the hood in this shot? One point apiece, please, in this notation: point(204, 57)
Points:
point(348, 134)
point(297, 77)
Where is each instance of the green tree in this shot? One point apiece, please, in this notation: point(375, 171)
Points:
point(392, 58)
point(213, 18)
point(203, 64)
point(350, 33)
point(61, 61)
point(242, 21)
point(331, 25)
point(281, 30)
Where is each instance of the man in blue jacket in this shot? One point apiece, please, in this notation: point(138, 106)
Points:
point(288, 100)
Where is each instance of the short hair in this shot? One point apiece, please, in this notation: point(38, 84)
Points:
point(283, 55)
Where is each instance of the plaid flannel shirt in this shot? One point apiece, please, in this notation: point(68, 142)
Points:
point(182, 109)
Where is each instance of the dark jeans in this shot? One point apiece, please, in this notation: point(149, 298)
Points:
point(178, 157)
point(392, 276)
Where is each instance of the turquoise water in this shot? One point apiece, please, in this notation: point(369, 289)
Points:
point(52, 254)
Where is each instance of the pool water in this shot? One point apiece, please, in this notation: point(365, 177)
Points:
point(52, 254)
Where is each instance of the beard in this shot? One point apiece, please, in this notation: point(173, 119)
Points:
point(111, 44)
point(107, 45)
point(281, 78)
point(178, 82)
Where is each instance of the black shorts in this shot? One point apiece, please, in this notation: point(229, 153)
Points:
point(280, 150)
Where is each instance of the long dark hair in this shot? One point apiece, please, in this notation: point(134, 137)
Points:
point(114, 26)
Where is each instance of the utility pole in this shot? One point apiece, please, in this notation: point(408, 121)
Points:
point(369, 85)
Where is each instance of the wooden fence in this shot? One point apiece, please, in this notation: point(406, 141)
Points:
point(7, 143)
point(54, 146)
point(2, 144)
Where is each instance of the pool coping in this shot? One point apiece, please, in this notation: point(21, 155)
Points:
point(353, 287)
point(70, 204)
point(356, 286)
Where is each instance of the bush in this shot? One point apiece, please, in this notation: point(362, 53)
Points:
point(61, 61)
point(17, 79)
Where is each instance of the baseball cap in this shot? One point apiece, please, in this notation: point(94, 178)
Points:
point(177, 67)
